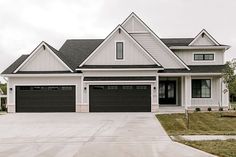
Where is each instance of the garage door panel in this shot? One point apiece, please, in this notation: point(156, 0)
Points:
point(120, 98)
point(45, 99)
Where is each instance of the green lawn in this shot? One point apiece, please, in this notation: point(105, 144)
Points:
point(207, 123)
point(220, 148)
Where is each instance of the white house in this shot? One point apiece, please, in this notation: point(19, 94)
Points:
point(131, 70)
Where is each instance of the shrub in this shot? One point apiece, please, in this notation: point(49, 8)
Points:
point(197, 109)
point(221, 109)
point(209, 109)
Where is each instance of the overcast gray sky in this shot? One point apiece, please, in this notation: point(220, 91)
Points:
point(25, 23)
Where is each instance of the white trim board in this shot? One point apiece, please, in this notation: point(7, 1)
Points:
point(200, 47)
point(119, 82)
point(35, 51)
point(189, 74)
point(121, 69)
point(42, 75)
point(157, 38)
point(130, 37)
point(208, 35)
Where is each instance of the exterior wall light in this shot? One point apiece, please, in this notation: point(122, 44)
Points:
point(85, 88)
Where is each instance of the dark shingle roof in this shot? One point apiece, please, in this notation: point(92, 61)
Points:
point(197, 69)
point(78, 50)
point(74, 52)
point(15, 65)
point(176, 41)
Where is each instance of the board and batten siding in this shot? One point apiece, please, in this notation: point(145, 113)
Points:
point(133, 55)
point(133, 25)
point(157, 50)
point(188, 56)
point(203, 41)
point(43, 60)
point(47, 81)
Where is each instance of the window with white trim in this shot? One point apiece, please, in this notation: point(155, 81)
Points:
point(201, 88)
point(119, 50)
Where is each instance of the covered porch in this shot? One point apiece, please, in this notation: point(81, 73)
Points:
point(178, 92)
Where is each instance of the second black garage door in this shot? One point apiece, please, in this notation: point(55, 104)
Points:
point(45, 99)
point(120, 98)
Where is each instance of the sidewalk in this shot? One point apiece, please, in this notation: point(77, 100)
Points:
point(204, 137)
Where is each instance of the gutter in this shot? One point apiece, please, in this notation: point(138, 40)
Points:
point(198, 47)
point(118, 69)
point(40, 75)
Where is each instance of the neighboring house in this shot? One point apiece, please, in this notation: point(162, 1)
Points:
point(131, 70)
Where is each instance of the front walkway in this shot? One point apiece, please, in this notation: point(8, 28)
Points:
point(170, 109)
point(88, 135)
point(205, 137)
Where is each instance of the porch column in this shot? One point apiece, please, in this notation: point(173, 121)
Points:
point(157, 90)
point(182, 91)
point(187, 91)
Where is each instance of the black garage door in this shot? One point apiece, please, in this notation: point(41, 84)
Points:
point(120, 98)
point(45, 99)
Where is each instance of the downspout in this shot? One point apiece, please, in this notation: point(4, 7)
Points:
point(221, 99)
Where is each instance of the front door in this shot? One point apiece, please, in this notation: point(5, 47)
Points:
point(167, 92)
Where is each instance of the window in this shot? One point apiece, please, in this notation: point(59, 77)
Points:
point(25, 88)
point(98, 87)
point(203, 57)
point(119, 50)
point(201, 88)
point(37, 88)
point(53, 88)
point(112, 87)
point(141, 87)
point(127, 87)
point(66, 88)
point(162, 90)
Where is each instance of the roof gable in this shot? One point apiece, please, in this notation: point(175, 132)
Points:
point(133, 19)
point(204, 38)
point(43, 58)
point(133, 25)
point(119, 29)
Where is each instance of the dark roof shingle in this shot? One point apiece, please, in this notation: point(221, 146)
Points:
point(176, 41)
point(78, 50)
point(197, 69)
point(15, 64)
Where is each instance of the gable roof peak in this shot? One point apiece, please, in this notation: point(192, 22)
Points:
point(52, 50)
point(202, 33)
point(120, 28)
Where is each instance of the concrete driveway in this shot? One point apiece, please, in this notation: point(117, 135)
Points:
point(87, 135)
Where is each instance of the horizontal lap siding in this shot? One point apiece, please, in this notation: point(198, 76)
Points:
point(187, 57)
